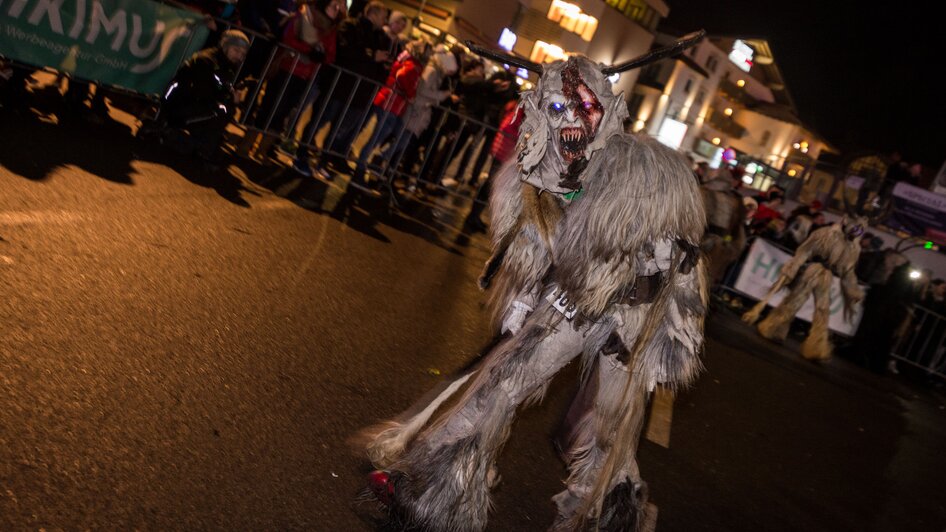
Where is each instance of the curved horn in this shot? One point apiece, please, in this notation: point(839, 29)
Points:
point(504, 58)
point(655, 55)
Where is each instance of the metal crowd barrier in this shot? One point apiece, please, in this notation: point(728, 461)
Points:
point(278, 52)
point(923, 345)
point(437, 142)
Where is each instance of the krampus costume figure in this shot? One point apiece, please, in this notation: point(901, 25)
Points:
point(595, 236)
point(829, 250)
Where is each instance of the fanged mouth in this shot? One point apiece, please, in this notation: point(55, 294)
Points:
point(573, 143)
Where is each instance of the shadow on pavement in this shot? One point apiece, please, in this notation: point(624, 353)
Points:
point(35, 142)
point(363, 212)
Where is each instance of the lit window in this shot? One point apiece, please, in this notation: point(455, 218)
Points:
point(507, 40)
point(544, 52)
point(570, 17)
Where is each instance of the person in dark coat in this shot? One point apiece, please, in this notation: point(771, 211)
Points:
point(362, 48)
point(200, 99)
point(477, 95)
point(884, 309)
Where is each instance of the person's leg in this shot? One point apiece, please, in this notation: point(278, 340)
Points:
point(348, 128)
point(775, 325)
point(596, 416)
point(482, 156)
point(394, 153)
point(384, 125)
point(473, 220)
point(443, 479)
point(442, 149)
point(817, 346)
point(468, 133)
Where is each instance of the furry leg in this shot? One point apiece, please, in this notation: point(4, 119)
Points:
point(448, 468)
point(592, 440)
point(388, 444)
point(817, 346)
point(753, 314)
point(775, 325)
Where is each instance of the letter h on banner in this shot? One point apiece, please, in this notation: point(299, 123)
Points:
point(772, 268)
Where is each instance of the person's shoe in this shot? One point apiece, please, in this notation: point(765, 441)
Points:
point(301, 167)
point(288, 147)
point(325, 174)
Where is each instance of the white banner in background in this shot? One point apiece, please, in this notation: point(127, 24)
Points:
point(761, 269)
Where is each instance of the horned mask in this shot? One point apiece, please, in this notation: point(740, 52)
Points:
point(571, 113)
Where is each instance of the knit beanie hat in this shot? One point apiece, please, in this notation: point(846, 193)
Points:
point(234, 38)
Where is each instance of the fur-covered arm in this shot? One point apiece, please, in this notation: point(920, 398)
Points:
point(851, 292)
point(802, 254)
point(519, 259)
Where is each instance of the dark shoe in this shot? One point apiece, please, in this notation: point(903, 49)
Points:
point(301, 166)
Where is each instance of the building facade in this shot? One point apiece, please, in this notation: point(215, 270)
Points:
point(607, 31)
point(725, 102)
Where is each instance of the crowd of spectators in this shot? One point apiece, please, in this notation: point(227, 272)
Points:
point(290, 69)
point(430, 105)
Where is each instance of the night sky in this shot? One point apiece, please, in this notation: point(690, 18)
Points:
point(861, 74)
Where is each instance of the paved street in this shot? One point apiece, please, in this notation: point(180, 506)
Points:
point(182, 352)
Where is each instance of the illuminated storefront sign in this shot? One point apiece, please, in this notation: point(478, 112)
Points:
point(741, 55)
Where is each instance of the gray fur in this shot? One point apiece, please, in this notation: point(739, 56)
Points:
point(639, 200)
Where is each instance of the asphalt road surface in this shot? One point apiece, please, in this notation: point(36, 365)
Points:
point(180, 351)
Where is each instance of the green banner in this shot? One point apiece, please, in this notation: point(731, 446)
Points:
point(135, 44)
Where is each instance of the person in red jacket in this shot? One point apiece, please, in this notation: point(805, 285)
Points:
point(502, 149)
point(391, 101)
point(309, 43)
